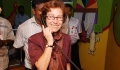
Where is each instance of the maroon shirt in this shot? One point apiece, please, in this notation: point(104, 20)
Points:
point(36, 47)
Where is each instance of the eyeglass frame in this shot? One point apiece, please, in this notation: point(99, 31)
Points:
point(48, 17)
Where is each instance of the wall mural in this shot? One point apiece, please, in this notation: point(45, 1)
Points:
point(86, 4)
point(87, 11)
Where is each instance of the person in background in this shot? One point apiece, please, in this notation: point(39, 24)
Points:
point(20, 17)
point(29, 28)
point(65, 26)
point(6, 39)
point(43, 50)
point(1, 12)
point(74, 32)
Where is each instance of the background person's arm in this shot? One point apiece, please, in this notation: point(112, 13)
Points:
point(6, 42)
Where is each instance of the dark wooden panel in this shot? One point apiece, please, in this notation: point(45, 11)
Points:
point(86, 10)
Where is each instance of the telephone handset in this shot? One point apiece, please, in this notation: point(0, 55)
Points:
point(42, 19)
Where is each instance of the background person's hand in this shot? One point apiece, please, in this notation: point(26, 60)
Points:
point(1, 43)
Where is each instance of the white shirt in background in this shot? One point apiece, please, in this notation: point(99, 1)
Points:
point(25, 30)
point(65, 26)
point(74, 29)
point(5, 33)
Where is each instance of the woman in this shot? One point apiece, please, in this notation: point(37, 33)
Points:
point(43, 52)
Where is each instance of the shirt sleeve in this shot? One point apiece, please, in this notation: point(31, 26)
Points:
point(10, 34)
point(19, 39)
point(34, 51)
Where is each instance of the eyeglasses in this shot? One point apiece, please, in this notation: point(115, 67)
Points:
point(52, 18)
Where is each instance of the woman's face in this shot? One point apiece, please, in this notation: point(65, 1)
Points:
point(54, 19)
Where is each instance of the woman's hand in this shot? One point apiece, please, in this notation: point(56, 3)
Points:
point(48, 35)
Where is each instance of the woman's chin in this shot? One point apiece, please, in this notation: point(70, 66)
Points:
point(55, 31)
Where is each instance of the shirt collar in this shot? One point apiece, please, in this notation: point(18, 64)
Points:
point(33, 20)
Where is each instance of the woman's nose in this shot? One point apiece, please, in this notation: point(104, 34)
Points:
point(56, 20)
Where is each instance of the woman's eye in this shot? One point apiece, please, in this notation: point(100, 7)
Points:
point(51, 16)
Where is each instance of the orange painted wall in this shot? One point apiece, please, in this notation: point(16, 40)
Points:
point(112, 61)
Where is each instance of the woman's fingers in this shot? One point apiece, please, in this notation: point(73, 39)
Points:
point(42, 27)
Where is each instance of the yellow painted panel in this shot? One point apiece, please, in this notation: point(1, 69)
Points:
point(96, 62)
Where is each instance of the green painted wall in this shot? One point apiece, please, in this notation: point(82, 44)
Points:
point(117, 22)
point(8, 6)
point(74, 3)
point(0, 3)
point(104, 12)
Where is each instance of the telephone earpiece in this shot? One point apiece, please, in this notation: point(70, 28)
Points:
point(43, 21)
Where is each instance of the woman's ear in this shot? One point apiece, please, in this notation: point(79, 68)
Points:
point(33, 11)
